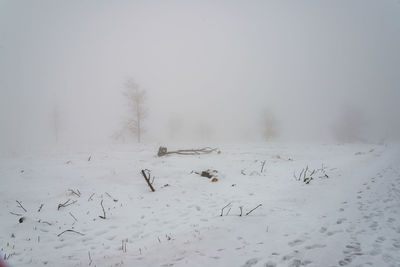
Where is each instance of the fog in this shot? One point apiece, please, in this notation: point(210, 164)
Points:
point(211, 70)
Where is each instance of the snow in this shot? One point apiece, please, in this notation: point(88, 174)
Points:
point(350, 218)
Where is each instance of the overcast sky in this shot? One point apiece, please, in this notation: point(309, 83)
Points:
point(205, 64)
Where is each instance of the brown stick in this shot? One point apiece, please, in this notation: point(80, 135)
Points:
point(75, 193)
point(90, 198)
point(70, 230)
point(305, 172)
point(17, 214)
point(204, 150)
point(65, 204)
point(40, 208)
point(73, 216)
point(228, 212)
point(222, 210)
point(259, 205)
point(115, 200)
point(301, 173)
point(148, 180)
point(104, 212)
point(20, 205)
point(123, 247)
point(262, 167)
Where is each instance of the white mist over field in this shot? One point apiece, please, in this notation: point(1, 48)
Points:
point(211, 70)
point(199, 133)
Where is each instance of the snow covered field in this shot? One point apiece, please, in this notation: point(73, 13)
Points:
point(349, 217)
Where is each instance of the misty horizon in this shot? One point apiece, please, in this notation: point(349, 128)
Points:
point(210, 70)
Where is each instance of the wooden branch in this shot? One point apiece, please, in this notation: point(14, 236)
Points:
point(115, 200)
point(104, 212)
point(75, 193)
point(20, 205)
point(162, 151)
point(6, 257)
point(90, 198)
point(301, 174)
point(123, 247)
point(305, 172)
point(241, 211)
point(16, 214)
point(65, 204)
point(73, 216)
point(222, 210)
point(40, 208)
point(70, 230)
point(45, 222)
point(262, 167)
point(228, 212)
point(90, 258)
point(259, 205)
point(148, 179)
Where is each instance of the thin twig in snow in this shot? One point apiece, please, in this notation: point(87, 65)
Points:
point(65, 204)
point(73, 216)
point(75, 193)
point(70, 230)
point(40, 208)
point(104, 212)
point(222, 210)
point(228, 212)
point(20, 205)
point(90, 258)
point(115, 200)
point(259, 205)
point(90, 198)
point(148, 179)
point(301, 174)
point(262, 167)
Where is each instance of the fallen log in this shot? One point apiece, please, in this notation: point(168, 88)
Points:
point(162, 151)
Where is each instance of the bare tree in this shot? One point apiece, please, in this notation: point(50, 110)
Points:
point(136, 99)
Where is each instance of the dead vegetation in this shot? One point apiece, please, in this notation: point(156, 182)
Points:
point(240, 209)
point(210, 174)
point(104, 212)
point(307, 175)
point(252, 170)
point(147, 176)
point(70, 230)
point(66, 204)
point(163, 151)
